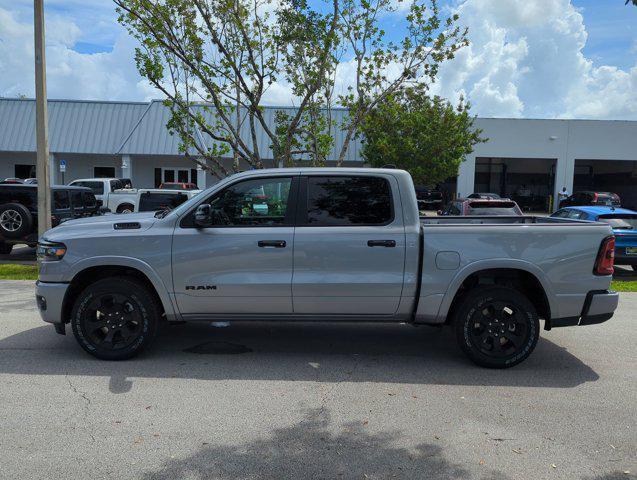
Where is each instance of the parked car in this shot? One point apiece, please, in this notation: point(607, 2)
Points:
point(110, 192)
point(428, 198)
point(622, 221)
point(177, 186)
point(19, 211)
point(12, 181)
point(336, 244)
point(474, 207)
point(486, 196)
point(591, 198)
point(31, 181)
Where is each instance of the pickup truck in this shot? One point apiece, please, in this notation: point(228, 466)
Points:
point(324, 244)
point(110, 193)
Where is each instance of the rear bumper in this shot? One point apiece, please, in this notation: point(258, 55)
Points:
point(599, 306)
point(50, 298)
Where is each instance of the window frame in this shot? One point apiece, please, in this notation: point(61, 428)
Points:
point(187, 220)
point(301, 219)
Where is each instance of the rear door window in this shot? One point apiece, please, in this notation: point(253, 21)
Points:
point(348, 201)
point(97, 187)
point(61, 200)
point(77, 202)
point(89, 200)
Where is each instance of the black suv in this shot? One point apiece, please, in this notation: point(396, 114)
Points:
point(19, 211)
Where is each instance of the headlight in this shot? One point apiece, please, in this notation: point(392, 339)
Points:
point(50, 252)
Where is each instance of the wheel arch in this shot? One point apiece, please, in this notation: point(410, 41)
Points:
point(90, 273)
point(523, 276)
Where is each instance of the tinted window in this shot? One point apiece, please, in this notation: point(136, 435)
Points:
point(89, 200)
point(61, 200)
point(152, 202)
point(116, 185)
point(348, 201)
point(261, 202)
point(97, 187)
point(76, 199)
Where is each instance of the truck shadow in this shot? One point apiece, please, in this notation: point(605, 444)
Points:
point(293, 352)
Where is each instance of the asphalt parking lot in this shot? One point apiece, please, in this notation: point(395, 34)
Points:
point(274, 401)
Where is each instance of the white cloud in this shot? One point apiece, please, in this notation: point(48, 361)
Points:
point(526, 60)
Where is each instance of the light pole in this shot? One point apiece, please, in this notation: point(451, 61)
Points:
point(42, 123)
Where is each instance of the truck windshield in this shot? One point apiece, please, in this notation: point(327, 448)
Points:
point(620, 222)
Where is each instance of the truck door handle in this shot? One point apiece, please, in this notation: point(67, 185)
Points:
point(381, 243)
point(272, 243)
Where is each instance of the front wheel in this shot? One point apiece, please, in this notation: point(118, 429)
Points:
point(115, 318)
point(496, 327)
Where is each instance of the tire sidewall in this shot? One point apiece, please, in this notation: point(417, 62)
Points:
point(474, 302)
point(141, 300)
point(26, 217)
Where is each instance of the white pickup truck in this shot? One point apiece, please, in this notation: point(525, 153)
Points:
point(110, 192)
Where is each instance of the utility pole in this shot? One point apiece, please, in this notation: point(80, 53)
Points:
point(42, 123)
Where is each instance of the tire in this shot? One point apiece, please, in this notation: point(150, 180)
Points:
point(486, 322)
point(102, 304)
point(15, 220)
point(125, 208)
point(5, 248)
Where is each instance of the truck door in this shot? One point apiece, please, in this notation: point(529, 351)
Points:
point(243, 263)
point(349, 245)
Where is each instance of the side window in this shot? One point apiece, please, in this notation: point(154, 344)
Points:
point(97, 187)
point(343, 201)
point(76, 199)
point(116, 185)
point(254, 203)
point(573, 214)
point(89, 200)
point(61, 200)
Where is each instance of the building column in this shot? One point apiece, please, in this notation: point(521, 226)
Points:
point(564, 177)
point(53, 169)
point(201, 178)
point(466, 176)
point(127, 167)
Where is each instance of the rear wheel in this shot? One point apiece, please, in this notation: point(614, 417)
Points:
point(125, 208)
point(496, 327)
point(115, 318)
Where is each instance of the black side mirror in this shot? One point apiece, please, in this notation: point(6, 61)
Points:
point(203, 215)
point(100, 203)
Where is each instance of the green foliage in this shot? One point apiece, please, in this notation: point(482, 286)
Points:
point(426, 136)
point(214, 60)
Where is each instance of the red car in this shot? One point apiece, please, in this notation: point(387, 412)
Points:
point(591, 198)
point(482, 207)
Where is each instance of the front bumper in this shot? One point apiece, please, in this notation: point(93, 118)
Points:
point(50, 298)
point(599, 306)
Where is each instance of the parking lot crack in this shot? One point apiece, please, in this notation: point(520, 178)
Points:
point(87, 405)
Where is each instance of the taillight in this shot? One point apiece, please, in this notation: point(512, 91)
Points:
point(605, 257)
point(595, 197)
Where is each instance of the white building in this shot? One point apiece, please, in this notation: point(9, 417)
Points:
point(130, 140)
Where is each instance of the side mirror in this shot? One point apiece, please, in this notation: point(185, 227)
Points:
point(203, 215)
point(100, 203)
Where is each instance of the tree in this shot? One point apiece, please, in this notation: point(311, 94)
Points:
point(634, 2)
point(424, 135)
point(214, 60)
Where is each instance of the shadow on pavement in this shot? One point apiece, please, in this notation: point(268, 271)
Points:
point(313, 450)
point(292, 352)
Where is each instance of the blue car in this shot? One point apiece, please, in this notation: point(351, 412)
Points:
point(622, 221)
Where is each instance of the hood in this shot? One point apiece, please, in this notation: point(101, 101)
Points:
point(100, 225)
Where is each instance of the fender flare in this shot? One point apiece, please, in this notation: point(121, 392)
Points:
point(492, 264)
point(134, 263)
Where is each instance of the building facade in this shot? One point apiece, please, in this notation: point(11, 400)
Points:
point(530, 160)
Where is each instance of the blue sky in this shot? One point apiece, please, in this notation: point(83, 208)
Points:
point(528, 58)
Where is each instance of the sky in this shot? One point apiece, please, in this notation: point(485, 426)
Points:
point(527, 58)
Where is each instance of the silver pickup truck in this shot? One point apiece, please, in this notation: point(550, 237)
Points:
point(324, 245)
